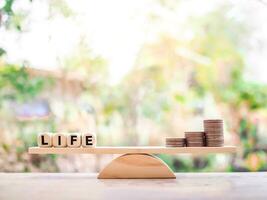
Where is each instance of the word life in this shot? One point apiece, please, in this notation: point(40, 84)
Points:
point(66, 140)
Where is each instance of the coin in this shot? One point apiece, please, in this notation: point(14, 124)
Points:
point(194, 139)
point(174, 142)
point(213, 129)
point(213, 121)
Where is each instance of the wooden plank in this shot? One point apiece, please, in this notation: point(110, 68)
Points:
point(136, 149)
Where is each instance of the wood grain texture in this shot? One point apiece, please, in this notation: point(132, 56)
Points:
point(136, 166)
point(84, 186)
point(124, 150)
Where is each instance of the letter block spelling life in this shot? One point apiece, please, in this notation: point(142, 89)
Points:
point(44, 140)
point(74, 140)
point(88, 140)
point(59, 140)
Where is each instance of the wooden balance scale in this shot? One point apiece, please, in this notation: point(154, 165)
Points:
point(135, 162)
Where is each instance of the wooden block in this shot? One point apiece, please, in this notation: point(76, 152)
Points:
point(88, 140)
point(44, 140)
point(59, 140)
point(74, 140)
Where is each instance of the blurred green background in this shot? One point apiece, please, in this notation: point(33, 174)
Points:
point(134, 72)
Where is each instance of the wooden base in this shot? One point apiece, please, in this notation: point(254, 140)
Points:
point(136, 166)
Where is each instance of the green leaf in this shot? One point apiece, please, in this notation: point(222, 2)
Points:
point(2, 52)
point(8, 7)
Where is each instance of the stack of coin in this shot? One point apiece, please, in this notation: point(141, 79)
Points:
point(175, 142)
point(194, 139)
point(213, 129)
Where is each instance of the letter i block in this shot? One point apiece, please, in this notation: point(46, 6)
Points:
point(88, 140)
point(44, 140)
point(74, 140)
point(59, 140)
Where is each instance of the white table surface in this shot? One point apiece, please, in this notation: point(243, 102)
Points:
point(76, 186)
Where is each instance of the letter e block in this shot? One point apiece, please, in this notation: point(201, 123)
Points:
point(88, 140)
point(44, 140)
point(74, 140)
